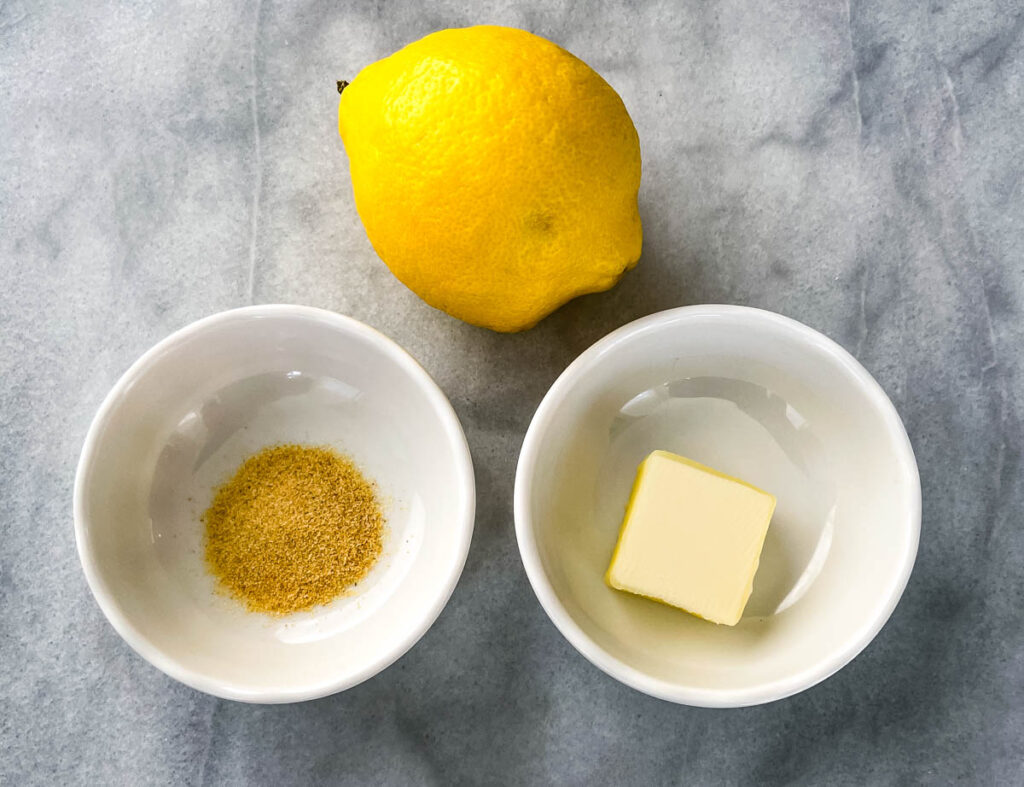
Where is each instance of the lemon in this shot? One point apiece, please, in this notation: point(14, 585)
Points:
point(495, 173)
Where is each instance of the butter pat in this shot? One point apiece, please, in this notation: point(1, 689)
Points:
point(691, 538)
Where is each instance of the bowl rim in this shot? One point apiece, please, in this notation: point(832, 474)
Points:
point(240, 691)
point(615, 667)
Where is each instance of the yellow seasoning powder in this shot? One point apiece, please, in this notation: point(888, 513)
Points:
point(295, 527)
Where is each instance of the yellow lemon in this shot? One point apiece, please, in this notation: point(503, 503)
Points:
point(496, 174)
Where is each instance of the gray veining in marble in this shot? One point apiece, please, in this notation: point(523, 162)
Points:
point(856, 165)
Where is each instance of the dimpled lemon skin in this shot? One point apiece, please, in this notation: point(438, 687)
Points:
point(495, 173)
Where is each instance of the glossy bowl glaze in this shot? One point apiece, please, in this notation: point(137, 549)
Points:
point(757, 396)
point(184, 417)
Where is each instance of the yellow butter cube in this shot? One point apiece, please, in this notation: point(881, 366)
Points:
point(691, 538)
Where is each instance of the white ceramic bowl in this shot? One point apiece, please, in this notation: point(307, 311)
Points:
point(760, 397)
point(182, 419)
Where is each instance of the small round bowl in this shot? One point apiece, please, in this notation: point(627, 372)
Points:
point(759, 397)
point(178, 424)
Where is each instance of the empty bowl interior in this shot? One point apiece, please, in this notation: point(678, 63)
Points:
point(181, 422)
point(761, 398)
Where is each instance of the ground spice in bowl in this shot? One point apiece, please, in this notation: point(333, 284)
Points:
point(294, 528)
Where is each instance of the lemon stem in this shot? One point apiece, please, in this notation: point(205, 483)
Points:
point(342, 84)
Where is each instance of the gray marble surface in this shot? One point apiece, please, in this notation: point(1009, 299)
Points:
point(858, 166)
